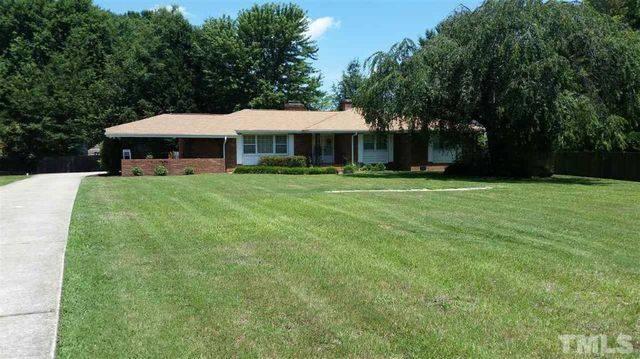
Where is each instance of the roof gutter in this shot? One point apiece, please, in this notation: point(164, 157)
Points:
point(164, 135)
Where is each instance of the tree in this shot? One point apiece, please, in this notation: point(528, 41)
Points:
point(348, 85)
point(261, 59)
point(537, 75)
point(70, 69)
point(52, 56)
point(627, 11)
point(150, 71)
point(326, 102)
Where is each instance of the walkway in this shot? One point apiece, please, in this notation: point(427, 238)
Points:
point(34, 223)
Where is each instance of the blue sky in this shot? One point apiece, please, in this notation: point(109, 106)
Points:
point(343, 29)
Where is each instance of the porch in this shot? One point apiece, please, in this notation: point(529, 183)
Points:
point(203, 155)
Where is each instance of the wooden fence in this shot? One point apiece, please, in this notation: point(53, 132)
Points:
point(68, 164)
point(615, 165)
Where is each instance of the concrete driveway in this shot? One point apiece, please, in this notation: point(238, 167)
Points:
point(34, 224)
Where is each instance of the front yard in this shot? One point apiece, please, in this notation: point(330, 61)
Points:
point(271, 265)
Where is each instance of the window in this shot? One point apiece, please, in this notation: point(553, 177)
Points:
point(249, 144)
point(369, 142)
point(281, 144)
point(265, 144)
point(375, 142)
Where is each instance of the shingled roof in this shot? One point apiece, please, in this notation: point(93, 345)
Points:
point(245, 121)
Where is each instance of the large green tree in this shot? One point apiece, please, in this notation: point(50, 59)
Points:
point(150, 70)
point(627, 11)
point(261, 59)
point(538, 75)
point(52, 62)
point(349, 83)
point(70, 69)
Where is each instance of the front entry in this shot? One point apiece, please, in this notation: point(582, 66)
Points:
point(325, 149)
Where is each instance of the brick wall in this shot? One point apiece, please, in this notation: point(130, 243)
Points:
point(230, 153)
point(174, 166)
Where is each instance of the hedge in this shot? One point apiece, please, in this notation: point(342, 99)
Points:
point(283, 161)
point(287, 170)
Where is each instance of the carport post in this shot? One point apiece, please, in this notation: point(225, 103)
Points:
point(224, 153)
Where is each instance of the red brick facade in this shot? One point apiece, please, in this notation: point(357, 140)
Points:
point(174, 166)
point(230, 153)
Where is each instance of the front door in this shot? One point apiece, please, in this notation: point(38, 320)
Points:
point(325, 147)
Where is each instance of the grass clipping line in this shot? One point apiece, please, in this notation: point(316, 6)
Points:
point(411, 190)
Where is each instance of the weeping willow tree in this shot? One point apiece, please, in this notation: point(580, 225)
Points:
point(538, 75)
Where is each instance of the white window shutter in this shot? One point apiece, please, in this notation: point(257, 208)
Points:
point(239, 150)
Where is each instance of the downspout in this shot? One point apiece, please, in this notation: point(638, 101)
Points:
point(352, 151)
point(224, 153)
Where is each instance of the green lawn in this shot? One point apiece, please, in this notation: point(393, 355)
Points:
point(271, 265)
point(11, 178)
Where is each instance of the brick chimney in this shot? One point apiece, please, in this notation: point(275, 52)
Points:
point(294, 106)
point(346, 104)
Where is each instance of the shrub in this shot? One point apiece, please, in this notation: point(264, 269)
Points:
point(470, 164)
point(160, 170)
point(110, 155)
point(286, 170)
point(378, 167)
point(350, 168)
point(149, 156)
point(373, 167)
point(137, 171)
point(189, 171)
point(283, 161)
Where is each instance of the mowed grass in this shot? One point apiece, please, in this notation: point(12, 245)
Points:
point(271, 265)
point(10, 178)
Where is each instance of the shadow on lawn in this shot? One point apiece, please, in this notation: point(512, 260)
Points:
point(442, 177)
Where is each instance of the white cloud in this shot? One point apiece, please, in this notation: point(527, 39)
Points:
point(180, 9)
point(319, 26)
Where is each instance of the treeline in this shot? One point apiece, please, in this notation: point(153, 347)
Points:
point(69, 69)
point(538, 76)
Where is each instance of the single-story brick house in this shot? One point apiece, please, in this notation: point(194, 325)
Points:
point(217, 143)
